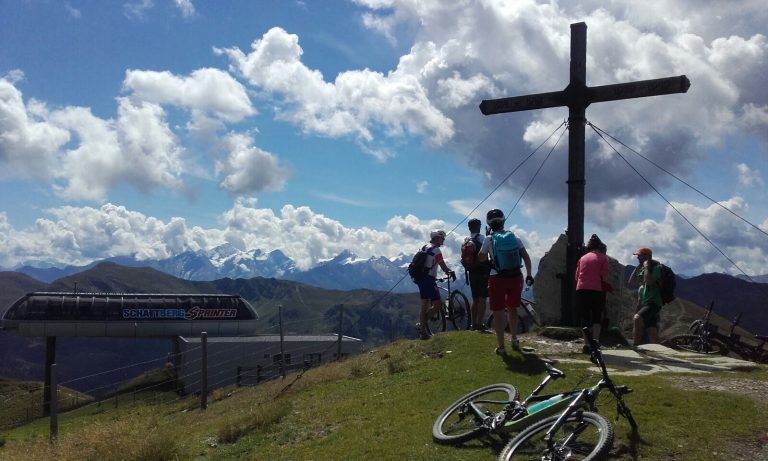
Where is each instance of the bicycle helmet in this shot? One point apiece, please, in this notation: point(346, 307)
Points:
point(494, 218)
point(437, 233)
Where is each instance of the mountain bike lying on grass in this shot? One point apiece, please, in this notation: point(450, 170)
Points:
point(704, 338)
point(575, 434)
point(496, 408)
point(526, 315)
point(454, 308)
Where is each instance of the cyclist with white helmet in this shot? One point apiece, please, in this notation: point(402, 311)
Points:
point(505, 284)
point(430, 296)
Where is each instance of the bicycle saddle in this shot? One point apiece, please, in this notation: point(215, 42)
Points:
point(554, 372)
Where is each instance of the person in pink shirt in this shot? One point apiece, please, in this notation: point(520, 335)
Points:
point(591, 274)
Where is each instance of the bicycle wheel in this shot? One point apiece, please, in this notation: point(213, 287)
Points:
point(458, 423)
point(458, 308)
point(436, 321)
point(697, 344)
point(585, 436)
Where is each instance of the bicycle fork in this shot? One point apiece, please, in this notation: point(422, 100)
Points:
point(572, 407)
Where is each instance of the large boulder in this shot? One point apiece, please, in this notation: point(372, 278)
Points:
point(620, 304)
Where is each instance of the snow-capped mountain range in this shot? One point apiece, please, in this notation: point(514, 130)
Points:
point(344, 272)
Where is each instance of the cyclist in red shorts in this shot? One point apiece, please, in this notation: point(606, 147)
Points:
point(505, 284)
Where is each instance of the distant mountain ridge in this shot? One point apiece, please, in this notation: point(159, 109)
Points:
point(344, 272)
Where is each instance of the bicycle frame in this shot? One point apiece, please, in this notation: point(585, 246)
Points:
point(519, 414)
point(454, 307)
point(708, 335)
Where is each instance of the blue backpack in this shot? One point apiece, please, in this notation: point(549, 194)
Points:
point(505, 253)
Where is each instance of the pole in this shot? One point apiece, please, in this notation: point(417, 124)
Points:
point(282, 343)
point(576, 96)
point(204, 381)
point(341, 319)
point(50, 358)
point(54, 405)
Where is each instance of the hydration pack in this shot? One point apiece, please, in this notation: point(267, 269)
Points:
point(418, 266)
point(505, 253)
point(469, 250)
point(667, 284)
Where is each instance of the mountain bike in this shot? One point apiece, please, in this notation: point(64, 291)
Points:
point(756, 353)
point(700, 338)
point(454, 308)
point(526, 315)
point(578, 433)
point(704, 338)
point(497, 409)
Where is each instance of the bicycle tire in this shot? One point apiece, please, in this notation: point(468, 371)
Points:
point(455, 425)
point(458, 307)
point(694, 343)
point(592, 441)
point(436, 322)
point(747, 354)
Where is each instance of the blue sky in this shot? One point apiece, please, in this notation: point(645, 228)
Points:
point(153, 127)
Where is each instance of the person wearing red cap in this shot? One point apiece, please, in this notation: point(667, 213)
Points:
point(647, 274)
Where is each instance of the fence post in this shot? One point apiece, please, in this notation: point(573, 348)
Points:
point(282, 343)
point(341, 319)
point(50, 358)
point(54, 404)
point(204, 384)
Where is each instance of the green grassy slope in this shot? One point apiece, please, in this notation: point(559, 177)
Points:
point(381, 405)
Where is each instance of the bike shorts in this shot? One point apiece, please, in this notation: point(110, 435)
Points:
point(650, 314)
point(478, 283)
point(428, 288)
point(591, 305)
point(504, 292)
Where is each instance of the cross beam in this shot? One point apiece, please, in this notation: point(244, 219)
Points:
point(577, 96)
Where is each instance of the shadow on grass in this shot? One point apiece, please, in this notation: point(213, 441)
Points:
point(630, 450)
point(528, 364)
point(494, 443)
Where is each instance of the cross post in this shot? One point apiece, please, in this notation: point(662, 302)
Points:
point(577, 96)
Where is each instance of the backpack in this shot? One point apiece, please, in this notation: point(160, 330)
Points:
point(505, 253)
point(417, 268)
point(667, 284)
point(469, 250)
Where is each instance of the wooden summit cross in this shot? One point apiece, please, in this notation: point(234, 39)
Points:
point(577, 96)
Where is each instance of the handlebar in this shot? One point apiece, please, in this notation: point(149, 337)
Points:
point(448, 278)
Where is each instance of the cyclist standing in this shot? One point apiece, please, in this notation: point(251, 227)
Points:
point(430, 296)
point(647, 274)
point(478, 279)
point(505, 283)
